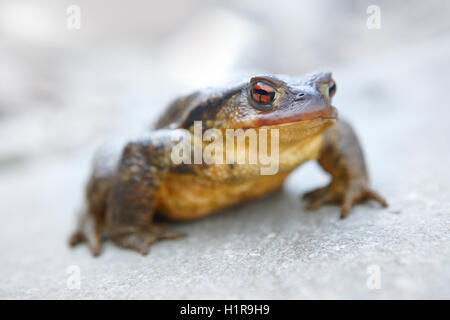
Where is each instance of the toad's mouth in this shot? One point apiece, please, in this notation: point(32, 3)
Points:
point(300, 130)
point(329, 113)
point(290, 118)
point(303, 124)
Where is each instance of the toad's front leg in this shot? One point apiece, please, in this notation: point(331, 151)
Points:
point(121, 198)
point(130, 205)
point(342, 157)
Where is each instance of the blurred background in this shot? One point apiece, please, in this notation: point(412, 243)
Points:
point(63, 91)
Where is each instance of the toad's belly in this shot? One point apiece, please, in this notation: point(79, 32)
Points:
point(190, 196)
point(186, 196)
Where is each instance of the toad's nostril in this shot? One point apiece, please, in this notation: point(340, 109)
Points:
point(299, 97)
point(332, 88)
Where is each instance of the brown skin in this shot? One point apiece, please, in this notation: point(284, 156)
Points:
point(125, 192)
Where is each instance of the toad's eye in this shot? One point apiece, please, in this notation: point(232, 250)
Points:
point(262, 93)
point(331, 88)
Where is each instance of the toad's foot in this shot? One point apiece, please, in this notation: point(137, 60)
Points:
point(349, 195)
point(140, 239)
point(341, 156)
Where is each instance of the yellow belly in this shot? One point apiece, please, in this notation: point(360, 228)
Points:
point(186, 196)
point(191, 196)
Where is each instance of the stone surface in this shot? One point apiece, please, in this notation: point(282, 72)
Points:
point(270, 248)
point(266, 249)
